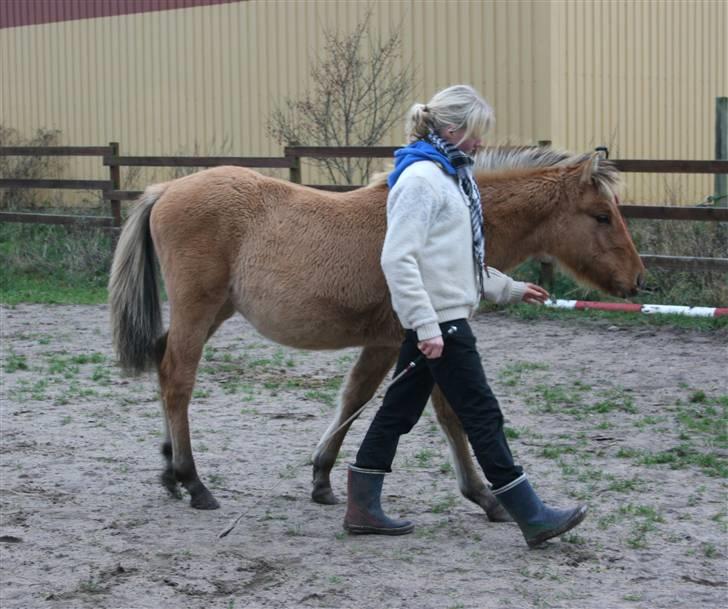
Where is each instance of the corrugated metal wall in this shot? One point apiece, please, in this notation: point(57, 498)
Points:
point(642, 78)
point(638, 76)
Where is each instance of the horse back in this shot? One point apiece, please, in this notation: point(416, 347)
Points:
point(302, 265)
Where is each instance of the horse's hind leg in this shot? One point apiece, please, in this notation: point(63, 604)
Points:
point(363, 380)
point(471, 485)
point(168, 478)
point(189, 329)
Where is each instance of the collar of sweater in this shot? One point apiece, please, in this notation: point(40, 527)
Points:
point(415, 152)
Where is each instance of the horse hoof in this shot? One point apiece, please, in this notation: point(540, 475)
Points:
point(169, 482)
point(324, 495)
point(497, 513)
point(204, 501)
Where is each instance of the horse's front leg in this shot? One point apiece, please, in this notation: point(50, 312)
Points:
point(363, 380)
point(471, 485)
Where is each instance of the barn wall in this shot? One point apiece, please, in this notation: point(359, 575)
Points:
point(640, 77)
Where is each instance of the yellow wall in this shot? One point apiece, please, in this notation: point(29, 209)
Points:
point(640, 76)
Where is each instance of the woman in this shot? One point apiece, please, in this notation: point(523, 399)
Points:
point(434, 263)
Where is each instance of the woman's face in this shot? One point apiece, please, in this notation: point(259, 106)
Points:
point(453, 136)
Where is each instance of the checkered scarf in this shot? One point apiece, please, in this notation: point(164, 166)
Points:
point(463, 165)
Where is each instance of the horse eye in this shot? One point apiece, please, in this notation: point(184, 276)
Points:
point(603, 219)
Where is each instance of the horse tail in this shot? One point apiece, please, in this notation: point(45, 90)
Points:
point(136, 314)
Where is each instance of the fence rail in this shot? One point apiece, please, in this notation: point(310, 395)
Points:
point(111, 189)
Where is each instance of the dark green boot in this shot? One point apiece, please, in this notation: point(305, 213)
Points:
point(363, 511)
point(537, 521)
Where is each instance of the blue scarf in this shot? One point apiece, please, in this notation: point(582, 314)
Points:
point(456, 163)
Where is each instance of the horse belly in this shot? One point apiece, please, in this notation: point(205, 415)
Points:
point(307, 324)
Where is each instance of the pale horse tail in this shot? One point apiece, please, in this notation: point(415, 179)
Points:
point(134, 301)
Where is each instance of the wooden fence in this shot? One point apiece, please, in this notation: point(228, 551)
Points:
point(291, 160)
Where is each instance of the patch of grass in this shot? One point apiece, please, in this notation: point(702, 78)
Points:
point(326, 397)
point(423, 458)
point(555, 398)
point(710, 551)
point(101, 375)
point(698, 397)
point(623, 485)
point(443, 505)
point(615, 399)
point(446, 467)
point(644, 521)
point(557, 450)
point(15, 362)
point(574, 538)
point(706, 416)
point(682, 457)
point(511, 433)
point(512, 374)
point(54, 264)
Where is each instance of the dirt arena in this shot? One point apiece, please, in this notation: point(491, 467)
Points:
point(631, 420)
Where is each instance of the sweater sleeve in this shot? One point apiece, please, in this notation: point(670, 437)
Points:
point(410, 211)
point(502, 289)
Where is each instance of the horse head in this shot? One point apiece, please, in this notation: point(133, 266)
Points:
point(543, 201)
point(599, 249)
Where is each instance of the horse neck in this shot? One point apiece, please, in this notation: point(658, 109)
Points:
point(520, 208)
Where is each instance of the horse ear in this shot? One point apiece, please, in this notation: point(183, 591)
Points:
point(591, 165)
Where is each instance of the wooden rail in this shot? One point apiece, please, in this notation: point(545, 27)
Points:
point(291, 160)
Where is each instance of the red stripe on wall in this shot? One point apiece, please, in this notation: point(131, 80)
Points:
point(17, 13)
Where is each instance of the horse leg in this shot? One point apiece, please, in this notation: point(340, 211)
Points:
point(168, 478)
point(471, 485)
point(361, 383)
point(189, 328)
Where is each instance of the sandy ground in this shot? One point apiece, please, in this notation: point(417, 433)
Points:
point(630, 420)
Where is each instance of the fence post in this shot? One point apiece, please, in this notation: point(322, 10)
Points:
point(294, 173)
point(721, 150)
point(115, 178)
point(546, 269)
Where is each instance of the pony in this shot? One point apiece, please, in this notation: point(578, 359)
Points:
point(302, 266)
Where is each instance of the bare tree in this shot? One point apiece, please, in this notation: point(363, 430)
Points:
point(357, 95)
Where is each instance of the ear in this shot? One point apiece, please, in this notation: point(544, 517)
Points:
point(589, 167)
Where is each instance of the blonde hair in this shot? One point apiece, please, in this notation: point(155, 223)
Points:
point(458, 106)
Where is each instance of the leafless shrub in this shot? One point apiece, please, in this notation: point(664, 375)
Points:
point(357, 96)
point(27, 167)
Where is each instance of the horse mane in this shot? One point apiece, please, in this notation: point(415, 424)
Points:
point(511, 158)
point(605, 175)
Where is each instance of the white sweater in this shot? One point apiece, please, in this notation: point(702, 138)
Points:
point(427, 256)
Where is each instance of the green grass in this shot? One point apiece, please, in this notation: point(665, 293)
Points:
point(679, 457)
point(48, 264)
point(14, 362)
point(43, 289)
point(706, 417)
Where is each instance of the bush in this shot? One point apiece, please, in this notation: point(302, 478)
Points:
point(27, 167)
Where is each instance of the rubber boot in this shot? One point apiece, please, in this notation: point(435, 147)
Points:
point(537, 521)
point(364, 513)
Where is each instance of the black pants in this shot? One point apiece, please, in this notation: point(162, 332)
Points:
point(459, 374)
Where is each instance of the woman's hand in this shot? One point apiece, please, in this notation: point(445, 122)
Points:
point(432, 347)
point(535, 294)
